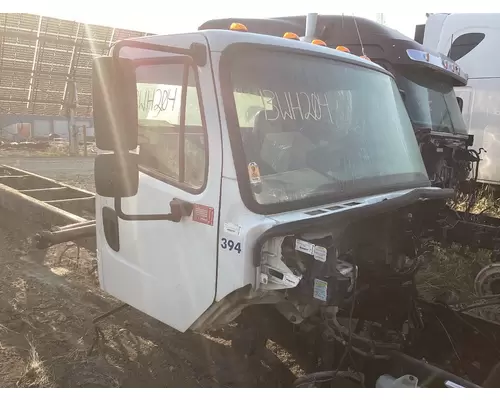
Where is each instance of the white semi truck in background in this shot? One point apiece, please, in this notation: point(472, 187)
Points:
point(472, 40)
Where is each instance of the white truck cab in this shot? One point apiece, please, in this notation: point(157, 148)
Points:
point(227, 146)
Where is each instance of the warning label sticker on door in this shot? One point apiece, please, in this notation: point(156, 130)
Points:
point(203, 214)
point(254, 173)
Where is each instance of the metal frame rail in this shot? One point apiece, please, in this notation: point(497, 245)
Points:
point(66, 213)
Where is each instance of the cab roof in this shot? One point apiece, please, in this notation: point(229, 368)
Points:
point(220, 39)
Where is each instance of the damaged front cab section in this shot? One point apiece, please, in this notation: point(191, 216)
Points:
point(350, 272)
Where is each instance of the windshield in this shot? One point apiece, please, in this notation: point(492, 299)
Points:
point(431, 103)
point(312, 126)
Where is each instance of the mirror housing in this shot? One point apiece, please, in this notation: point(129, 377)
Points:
point(114, 98)
point(117, 174)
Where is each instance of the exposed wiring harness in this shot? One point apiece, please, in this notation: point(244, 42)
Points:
point(328, 376)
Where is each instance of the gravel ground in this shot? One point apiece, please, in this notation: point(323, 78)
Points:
point(49, 298)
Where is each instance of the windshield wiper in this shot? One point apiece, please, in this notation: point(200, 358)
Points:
point(337, 186)
point(420, 131)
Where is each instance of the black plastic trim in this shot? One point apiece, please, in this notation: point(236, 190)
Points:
point(193, 52)
point(184, 209)
point(321, 222)
point(111, 228)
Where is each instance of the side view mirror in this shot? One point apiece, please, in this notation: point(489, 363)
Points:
point(114, 98)
point(117, 174)
point(116, 117)
point(460, 102)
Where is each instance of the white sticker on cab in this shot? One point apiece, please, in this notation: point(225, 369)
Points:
point(320, 253)
point(232, 229)
point(304, 247)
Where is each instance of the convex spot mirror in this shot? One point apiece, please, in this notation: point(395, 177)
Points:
point(117, 174)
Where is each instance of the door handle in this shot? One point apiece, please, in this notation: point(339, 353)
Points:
point(178, 210)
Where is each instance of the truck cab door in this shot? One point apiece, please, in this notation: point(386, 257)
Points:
point(167, 266)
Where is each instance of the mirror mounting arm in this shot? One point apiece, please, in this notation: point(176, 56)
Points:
point(179, 209)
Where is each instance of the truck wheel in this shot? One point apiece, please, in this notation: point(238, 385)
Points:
point(487, 281)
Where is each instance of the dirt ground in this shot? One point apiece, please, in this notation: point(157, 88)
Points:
point(49, 298)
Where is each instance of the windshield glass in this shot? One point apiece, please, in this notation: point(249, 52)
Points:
point(311, 127)
point(431, 103)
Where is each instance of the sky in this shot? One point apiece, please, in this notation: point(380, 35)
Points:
point(171, 16)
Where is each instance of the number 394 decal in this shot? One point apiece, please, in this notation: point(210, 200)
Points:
point(230, 245)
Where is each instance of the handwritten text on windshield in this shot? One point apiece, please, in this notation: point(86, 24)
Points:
point(296, 106)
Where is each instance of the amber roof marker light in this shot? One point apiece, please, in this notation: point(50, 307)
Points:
point(236, 26)
point(319, 42)
point(343, 48)
point(291, 35)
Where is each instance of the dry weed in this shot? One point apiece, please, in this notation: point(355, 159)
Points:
point(36, 374)
point(452, 269)
point(483, 202)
